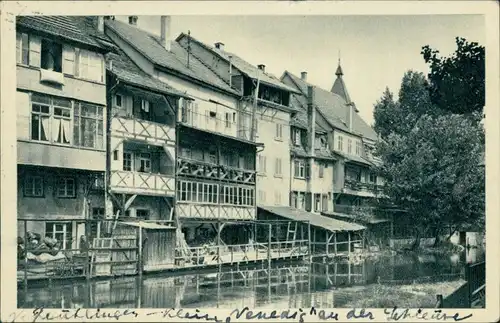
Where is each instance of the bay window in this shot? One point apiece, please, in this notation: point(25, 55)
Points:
point(40, 117)
point(62, 121)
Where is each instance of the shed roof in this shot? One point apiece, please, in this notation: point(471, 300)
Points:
point(314, 219)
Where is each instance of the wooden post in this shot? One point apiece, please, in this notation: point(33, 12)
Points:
point(439, 301)
point(309, 240)
point(139, 253)
point(335, 242)
point(218, 242)
point(25, 256)
point(349, 243)
point(269, 247)
point(327, 237)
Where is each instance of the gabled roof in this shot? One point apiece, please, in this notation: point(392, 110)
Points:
point(333, 108)
point(150, 46)
point(125, 70)
point(79, 29)
point(243, 66)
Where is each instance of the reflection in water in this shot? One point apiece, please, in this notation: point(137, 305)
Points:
point(289, 285)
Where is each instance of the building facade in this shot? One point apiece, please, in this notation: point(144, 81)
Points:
point(342, 136)
point(214, 161)
point(61, 119)
point(269, 98)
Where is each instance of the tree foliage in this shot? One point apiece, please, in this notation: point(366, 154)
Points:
point(457, 83)
point(431, 148)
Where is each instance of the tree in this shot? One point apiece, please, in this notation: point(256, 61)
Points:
point(457, 83)
point(432, 171)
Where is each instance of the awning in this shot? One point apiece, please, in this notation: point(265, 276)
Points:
point(370, 219)
point(314, 219)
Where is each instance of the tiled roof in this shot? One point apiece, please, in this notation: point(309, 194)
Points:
point(79, 29)
point(126, 70)
point(355, 158)
point(175, 59)
point(313, 218)
point(244, 66)
point(333, 108)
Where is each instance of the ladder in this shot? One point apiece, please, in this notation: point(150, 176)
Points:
point(291, 233)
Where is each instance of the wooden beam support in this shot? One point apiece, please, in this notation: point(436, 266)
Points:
point(335, 242)
point(129, 202)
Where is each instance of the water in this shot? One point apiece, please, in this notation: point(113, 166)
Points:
point(286, 285)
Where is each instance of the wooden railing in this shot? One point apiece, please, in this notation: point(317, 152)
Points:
point(142, 182)
point(472, 293)
point(142, 129)
point(202, 169)
point(362, 186)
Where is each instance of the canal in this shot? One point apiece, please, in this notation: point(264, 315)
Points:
point(286, 284)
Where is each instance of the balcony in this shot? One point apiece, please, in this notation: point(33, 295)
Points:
point(143, 130)
point(356, 187)
point(214, 211)
point(200, 169)
point(142, 183)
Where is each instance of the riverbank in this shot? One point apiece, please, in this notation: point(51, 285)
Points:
point(420, 295)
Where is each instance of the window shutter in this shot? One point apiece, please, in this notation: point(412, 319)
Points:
point(308, 170)
point(19, 48)
point(35, 50)
point(308, 198)
point(68, 64)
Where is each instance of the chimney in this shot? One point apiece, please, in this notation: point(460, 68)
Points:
point(165, 32)
point(100, 24)
point(262, 67)
point(219, 45)
point(132, 20)
point(303, 76)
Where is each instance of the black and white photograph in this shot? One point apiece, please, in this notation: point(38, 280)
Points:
point(277, 164)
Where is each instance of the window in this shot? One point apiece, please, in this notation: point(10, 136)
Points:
point(51, 56)
point(293, 200)
point(358, 148)
point(262, 196)
point(198, 192)
point(40, 117)
point(61, 121)
point(299, 168)
point(62, 232)
point(323, 142)
point(118, 100)
point(277, 167)
point(340, 143)
point(127, 161)
point(115, 154)
point(256, 123)
point(317, 202)
point(145, 163)
point(212, 156)
point(262, 164)
point(22, 48)
point(33, 186)
point(277, 197)
point(349, 146)
point(65, 187)
point(91, 66)
point(186, 152)
point(228, 120)
point(301, 204)
point(88, 125)
point(145, 110)
point(321, 170)
point(296, 137)
point(279, 132)
point(98, 213)
point(372, 178)
point(324, 204)
point(142, 214)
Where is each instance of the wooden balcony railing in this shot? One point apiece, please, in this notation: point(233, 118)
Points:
point(190, 167)
point(138, 129)
point(146, 183)
point(356, 185)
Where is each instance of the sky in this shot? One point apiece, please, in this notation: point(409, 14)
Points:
point(374, 51)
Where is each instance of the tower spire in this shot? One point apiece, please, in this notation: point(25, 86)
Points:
point(339, 72)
